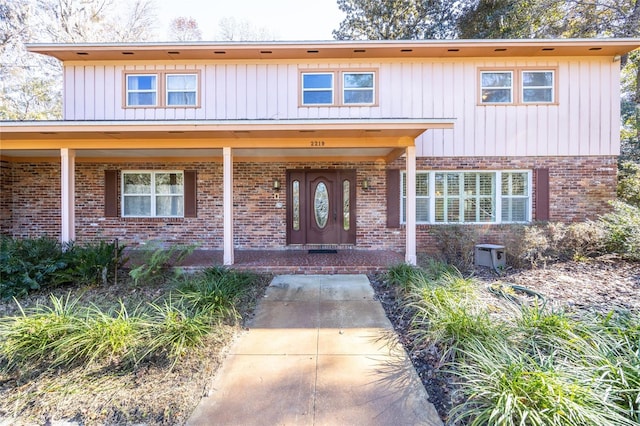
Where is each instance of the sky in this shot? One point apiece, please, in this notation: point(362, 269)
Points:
point(297, 20)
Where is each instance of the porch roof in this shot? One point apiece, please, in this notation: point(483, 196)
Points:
point(253, 140)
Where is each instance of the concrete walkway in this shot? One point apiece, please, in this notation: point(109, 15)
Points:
point(319, 351)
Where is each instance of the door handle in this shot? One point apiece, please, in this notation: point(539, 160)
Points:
point(335, 215)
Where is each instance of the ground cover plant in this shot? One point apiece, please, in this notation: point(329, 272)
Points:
point(521, 360)
point(125, 352)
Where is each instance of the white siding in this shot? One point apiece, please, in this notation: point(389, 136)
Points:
point(583, 121)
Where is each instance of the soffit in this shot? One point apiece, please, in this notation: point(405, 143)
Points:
point(308, 50)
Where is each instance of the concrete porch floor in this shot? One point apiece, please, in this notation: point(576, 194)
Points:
point(349, 261)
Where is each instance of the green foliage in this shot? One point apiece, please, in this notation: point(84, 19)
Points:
point(155, 262)
point(176, 329)
point(68, 334)
point(506, 385)
point(35, 335)
point(623, 230)
point(216, 291)
point(535, 365)
point(629, 183)
point(394, 20)
point(31, 264)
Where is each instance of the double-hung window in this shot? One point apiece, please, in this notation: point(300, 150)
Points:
point(152, 194)
point(537, 87)
point(162, 89)
point(358, 88)
point(181, 89)
point(338, 88)
point(470, 197)
point(517, 86)
point(496, 87)
point(142, 90)
point(317, 88)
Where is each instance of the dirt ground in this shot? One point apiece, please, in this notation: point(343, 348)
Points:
point(601, 285)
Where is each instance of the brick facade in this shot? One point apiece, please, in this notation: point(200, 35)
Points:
point(580, 189)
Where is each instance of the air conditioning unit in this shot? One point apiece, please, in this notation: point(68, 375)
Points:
point(490, 255)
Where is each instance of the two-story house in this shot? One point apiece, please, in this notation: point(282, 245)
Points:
point(365, 145)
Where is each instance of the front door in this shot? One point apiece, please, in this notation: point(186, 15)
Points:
point(321, 207)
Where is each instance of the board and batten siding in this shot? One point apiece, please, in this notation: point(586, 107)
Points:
point(585, 120)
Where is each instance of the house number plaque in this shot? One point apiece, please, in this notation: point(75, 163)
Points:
point(317, 143)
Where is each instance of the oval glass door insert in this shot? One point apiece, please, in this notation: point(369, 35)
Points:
point(321, 205)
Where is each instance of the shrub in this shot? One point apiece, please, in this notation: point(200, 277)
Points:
point(29, 264)
point(622, 227)
point(34, 336)
point(215, 291)
point(504, 385)
point(629, 183)
point(155, 262)
point(457, 243)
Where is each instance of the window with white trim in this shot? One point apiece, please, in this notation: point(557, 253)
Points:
point(317, 88)
point(142, 89)
point(358, 88)
point(152, 194)
point(496, 87)
point(422, 197)
point(470, 197)
point(182, 89)
point(515, 194)
point(537, 86)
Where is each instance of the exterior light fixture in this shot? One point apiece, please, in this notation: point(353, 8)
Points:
point(365, 183)
point(276, 184)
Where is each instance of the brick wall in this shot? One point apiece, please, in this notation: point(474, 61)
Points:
point(580, 189)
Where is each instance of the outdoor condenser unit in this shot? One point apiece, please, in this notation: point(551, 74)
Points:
point(490, 255)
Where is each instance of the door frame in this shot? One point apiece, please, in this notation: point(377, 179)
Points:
point(302, 176)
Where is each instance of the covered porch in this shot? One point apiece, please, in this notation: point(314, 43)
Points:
point(228, 143)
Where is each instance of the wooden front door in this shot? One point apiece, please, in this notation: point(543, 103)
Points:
point(321, 207)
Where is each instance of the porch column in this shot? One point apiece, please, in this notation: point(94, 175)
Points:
point(410, 251)
point(67, 190)
point(227, 184)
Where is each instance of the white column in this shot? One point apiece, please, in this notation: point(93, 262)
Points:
point(410, 251)
point(67, 190)
point(227, 184)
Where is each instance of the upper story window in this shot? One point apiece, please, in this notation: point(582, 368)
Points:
point(358, 88)
point(162, 89)
point(496, 87)
point(517, 86)
point(537, 86)
point(337, 88)
point(317, 88)
point(152, 194)
point(142, 90)
point(181, 89)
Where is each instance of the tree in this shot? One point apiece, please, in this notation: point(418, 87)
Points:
point(184, 29)
point(31, 85)
point(231, 29)
point(396, 19)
